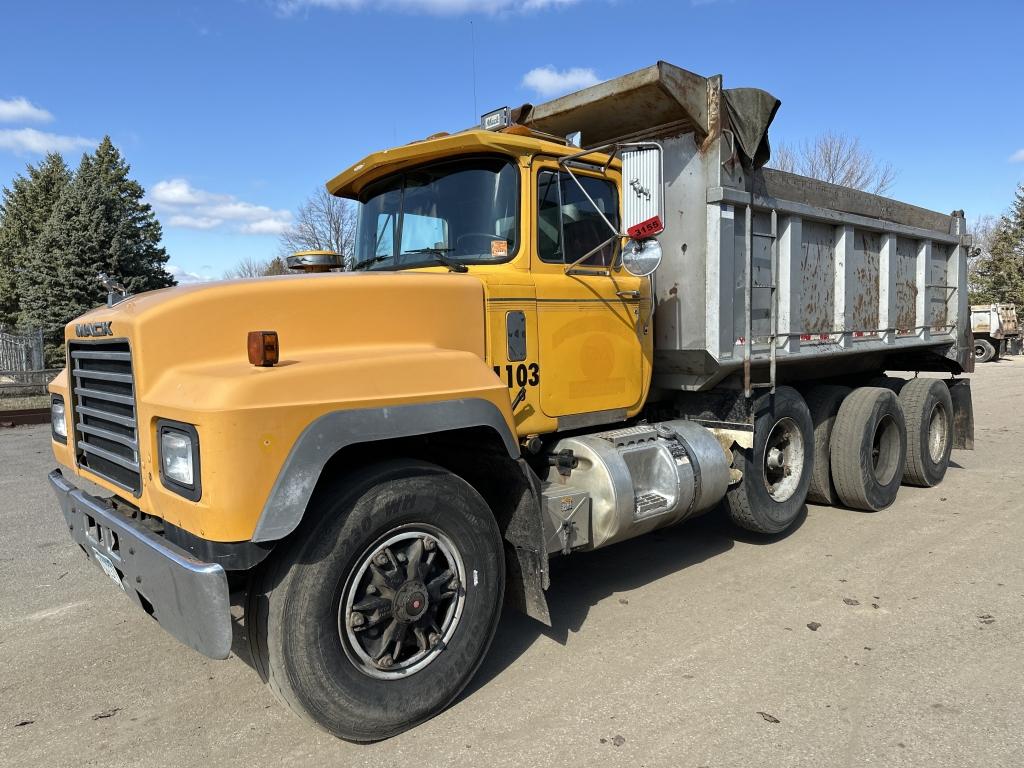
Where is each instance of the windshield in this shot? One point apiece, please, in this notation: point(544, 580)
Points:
point(461, 211)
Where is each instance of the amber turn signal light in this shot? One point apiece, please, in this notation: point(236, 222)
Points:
point(263, 348)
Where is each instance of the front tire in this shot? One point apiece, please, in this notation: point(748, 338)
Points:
point(777, 472)
point(380, 609)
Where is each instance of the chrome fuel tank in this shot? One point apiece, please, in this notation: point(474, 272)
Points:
point(642, 478)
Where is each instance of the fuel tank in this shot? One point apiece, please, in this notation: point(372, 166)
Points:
point(626, 482)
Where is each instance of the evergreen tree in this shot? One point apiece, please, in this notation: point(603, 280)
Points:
point(999, 275)
point(100, 224)
point(24, 211)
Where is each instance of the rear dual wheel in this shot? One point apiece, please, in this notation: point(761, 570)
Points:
point(824, 401)
point(777, 471)
point(868, 448)
point(928, 408)
point(983, 351)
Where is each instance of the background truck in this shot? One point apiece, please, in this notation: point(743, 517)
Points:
point(996, 331)
point(544, 349)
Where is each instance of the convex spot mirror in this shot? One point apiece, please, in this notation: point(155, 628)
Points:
point(641, 257)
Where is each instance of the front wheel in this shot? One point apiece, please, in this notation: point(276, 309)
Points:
point(381, 608)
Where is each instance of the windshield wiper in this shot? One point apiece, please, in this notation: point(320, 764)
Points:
point(439, 257)
point(368, 262)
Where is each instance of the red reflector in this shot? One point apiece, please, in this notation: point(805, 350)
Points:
point(805, 337)
point(263, 348)
point(649, 228)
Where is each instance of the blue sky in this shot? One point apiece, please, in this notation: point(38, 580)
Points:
point(231, 112)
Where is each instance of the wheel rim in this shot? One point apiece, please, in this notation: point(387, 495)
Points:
point(783, 460)
point(885, 450)
point(937, 433)
point(979, 351)
point(403, 602)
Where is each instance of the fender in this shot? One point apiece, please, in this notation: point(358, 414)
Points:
point(333, 431)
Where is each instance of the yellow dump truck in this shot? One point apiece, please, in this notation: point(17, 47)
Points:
point(574, 324)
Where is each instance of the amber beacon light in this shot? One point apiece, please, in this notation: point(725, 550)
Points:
point(263, 348)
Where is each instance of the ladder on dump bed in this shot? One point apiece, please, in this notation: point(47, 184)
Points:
point(748, 299)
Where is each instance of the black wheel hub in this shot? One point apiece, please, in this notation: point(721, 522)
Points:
point(411, 601)
point(402, 604)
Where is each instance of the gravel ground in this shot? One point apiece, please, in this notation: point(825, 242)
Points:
point(691, 647)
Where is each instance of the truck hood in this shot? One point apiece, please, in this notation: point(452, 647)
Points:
point(312, 314)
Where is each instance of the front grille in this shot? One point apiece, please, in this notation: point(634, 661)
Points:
point(106, 430)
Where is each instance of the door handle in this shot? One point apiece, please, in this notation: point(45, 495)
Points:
point(520, 396)
point(628, 294)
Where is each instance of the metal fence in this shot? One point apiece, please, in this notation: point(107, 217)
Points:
point(21, 352)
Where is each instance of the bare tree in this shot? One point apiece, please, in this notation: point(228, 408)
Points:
point(250, 267)
point(323, 223)
point(982, 230)
point(838, 159)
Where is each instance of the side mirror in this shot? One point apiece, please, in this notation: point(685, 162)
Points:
point(641, 257)
point(314, 261)
point(642, 193)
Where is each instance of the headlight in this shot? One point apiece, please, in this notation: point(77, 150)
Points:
point(179, 458)
point(58, 419)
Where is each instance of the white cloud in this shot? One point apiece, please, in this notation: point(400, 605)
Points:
point(437, 7)
point(21, 110)
point(193, 222)
point(183, 276)
point(1017, 157)
point(189, 207)
point(40, 142)
point(549, 82)
point(179, 192)
point(269, 226)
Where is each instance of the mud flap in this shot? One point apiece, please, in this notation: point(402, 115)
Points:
point(963, 413)
point(526, 560)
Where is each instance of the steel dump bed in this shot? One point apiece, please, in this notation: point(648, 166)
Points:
point(769, 275)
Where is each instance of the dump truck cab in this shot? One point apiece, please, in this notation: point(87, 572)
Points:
point(503, 208)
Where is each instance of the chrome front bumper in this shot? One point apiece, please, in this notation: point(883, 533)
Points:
point(188, 597)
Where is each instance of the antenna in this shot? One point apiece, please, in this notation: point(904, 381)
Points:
point(472, 48)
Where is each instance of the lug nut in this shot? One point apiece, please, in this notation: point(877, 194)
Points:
point(401, 557)
point(381, 559)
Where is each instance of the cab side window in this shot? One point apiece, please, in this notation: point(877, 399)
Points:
point(568, 226)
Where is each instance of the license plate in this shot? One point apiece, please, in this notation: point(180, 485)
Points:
point(108, 567)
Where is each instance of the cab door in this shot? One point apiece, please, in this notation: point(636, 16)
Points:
point(593, 321)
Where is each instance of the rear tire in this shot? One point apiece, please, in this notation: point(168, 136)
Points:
point(367, 541)
point(928, 409)
point(869, 448)
point(823, 402)
point(777, 472)
point(983, 351)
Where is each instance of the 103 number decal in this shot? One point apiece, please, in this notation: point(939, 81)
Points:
point(522, 375)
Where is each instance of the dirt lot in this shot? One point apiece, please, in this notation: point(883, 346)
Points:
point(686, 648)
